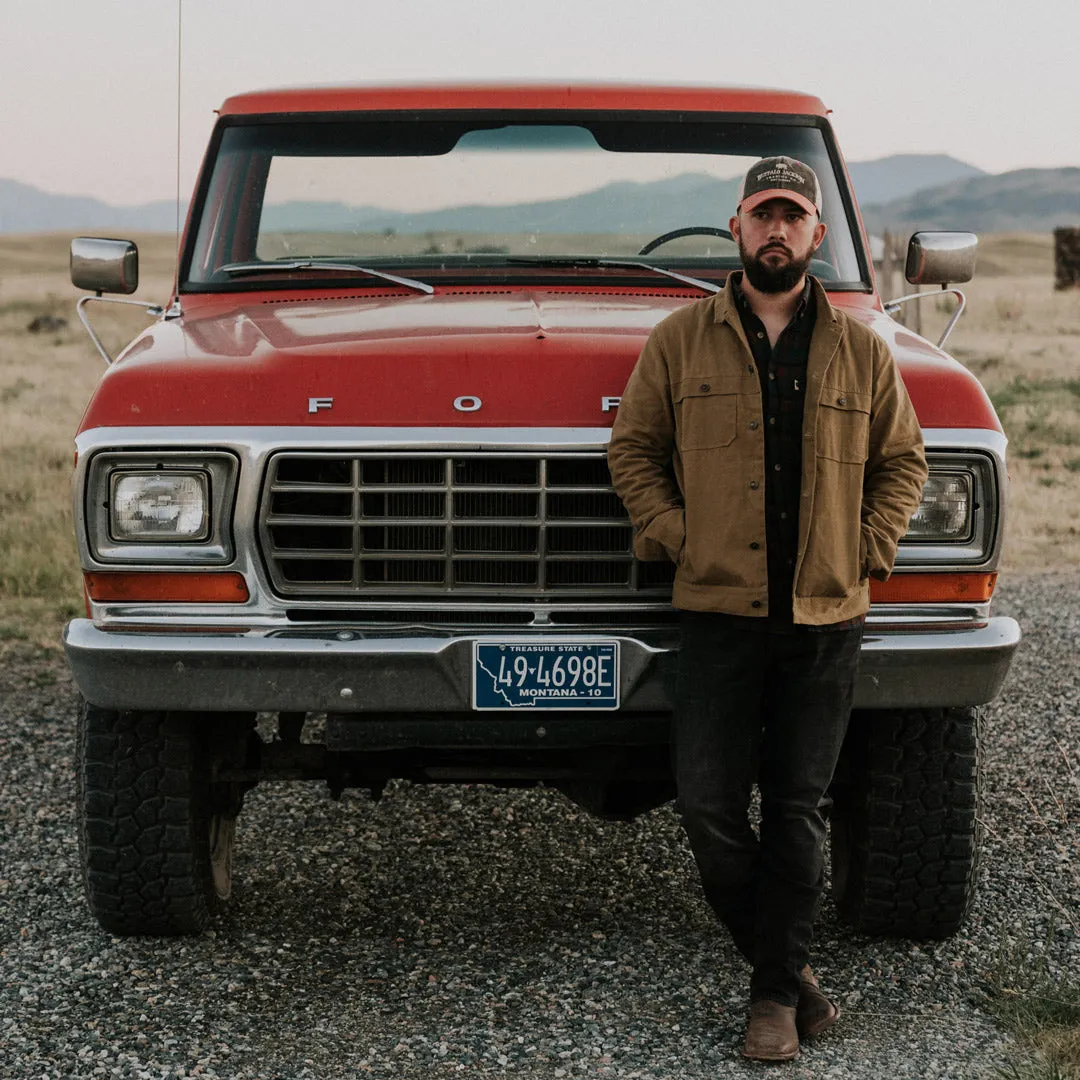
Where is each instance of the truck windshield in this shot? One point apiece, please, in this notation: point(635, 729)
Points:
point(463, 197)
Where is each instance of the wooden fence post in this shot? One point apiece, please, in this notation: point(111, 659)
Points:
point(1067, 258)
point(885, 286)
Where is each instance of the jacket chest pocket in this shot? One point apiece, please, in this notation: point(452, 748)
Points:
point(843, 425)
point(706, 413)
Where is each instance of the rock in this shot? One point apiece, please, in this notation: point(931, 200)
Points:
point(47, 324)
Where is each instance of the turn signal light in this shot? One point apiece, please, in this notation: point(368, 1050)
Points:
point(168, 588)
point(933, 589)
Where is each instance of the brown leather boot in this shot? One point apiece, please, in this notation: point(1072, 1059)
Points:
point(815, 1012)
point(771, 1035)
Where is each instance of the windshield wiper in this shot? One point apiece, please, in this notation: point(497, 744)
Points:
point(243, 269)
point(585, 262)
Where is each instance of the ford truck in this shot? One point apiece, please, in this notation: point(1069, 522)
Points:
point(343, 509)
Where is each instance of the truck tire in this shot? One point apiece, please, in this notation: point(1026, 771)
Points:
point(905, 823)
point(155, 857)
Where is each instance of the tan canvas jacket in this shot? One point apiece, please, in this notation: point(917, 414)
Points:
point(687, 458)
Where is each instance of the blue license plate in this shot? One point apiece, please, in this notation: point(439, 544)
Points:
point(546, 675)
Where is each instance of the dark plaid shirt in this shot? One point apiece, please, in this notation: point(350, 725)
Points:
point(782, 371)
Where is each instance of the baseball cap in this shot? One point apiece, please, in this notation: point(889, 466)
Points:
point(780, 178)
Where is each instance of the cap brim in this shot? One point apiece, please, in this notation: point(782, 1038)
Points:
point(759, 197)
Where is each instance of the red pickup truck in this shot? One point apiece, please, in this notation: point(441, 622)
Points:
point(353, 479)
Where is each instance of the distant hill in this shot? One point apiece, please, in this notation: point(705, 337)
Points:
point(894, 177)
point(1026, 200)
point(689, 199)
point(24, 209)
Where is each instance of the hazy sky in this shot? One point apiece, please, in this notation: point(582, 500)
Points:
point(88, 90)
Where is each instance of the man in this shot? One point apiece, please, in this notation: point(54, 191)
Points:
point(766, 445)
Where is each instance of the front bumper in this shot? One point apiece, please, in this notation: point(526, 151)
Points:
point(328, 671)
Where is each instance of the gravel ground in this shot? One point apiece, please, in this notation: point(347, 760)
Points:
point(465, 930)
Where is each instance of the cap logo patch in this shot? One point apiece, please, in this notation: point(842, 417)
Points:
point(781, 175)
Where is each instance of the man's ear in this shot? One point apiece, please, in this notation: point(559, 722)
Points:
point(733, 228)
point(820, 229)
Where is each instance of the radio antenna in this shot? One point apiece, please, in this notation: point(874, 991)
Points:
point(179, 71)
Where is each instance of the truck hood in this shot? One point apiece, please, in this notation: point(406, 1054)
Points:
point(480, 357)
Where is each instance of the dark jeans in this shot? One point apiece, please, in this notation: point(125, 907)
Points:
point(772, 707)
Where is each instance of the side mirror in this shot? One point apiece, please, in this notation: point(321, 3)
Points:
point(941, 258)
point(104, 265)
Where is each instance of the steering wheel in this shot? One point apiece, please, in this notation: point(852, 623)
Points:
point(690, 230)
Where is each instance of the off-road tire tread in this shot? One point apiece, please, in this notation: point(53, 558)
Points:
point(143, 821)
point(913, 819)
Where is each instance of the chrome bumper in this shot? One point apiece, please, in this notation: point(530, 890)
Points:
point(316, 671)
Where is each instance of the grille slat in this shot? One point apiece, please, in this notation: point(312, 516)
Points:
point(402, 504)
point(584, 504)
point(500, 504)
point(434, 525)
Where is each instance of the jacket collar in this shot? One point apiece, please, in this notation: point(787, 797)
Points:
point(824, 342)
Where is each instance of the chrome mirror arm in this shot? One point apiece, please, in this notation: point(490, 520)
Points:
point(155, 311)
point(893, 306)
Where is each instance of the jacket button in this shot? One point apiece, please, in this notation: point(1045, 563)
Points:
point(753, 485)
point(777, 466)
point(754, 545)
point(753, 425)
point(750, 368)
point(705, 388)
point(755, 603)
point(841, 401)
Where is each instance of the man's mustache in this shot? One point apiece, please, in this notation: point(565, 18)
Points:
point(775, 247)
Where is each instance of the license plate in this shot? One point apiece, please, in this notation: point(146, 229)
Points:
point(546, 675)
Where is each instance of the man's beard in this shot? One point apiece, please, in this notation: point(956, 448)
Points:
point(774, 279)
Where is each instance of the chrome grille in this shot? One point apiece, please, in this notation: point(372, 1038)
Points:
point(525, 525)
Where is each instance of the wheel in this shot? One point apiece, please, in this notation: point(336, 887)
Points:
point(690, 230)
point(905, 825)
point(155, 836)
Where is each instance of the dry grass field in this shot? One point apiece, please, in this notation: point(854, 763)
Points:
point(45, 382)
point(1020, 337)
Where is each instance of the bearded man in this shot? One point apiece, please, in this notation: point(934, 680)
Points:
point(766, 445)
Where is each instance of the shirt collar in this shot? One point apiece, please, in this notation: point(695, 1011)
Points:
point(734, 283)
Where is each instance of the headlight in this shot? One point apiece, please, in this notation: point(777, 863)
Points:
point(159, 507)
point(945, 512)
point(958, 522)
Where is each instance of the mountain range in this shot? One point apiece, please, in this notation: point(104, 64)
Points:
point(25, 209)
point(1025, 200)
point(900, 192)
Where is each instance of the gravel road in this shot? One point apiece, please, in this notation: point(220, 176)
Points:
point(465, 930)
